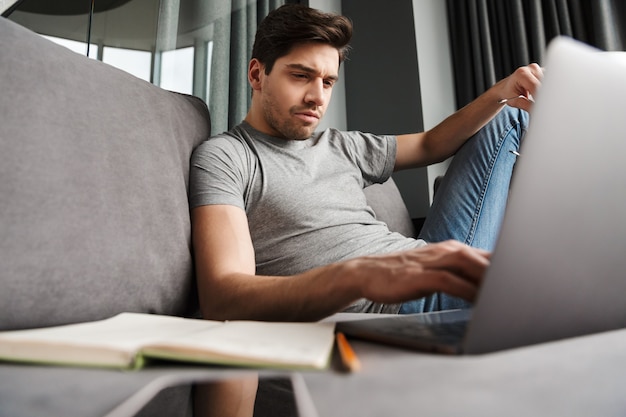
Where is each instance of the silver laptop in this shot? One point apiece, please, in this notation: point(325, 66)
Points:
point(559, 266)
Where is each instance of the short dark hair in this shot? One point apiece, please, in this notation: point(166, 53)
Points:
point(293, 24)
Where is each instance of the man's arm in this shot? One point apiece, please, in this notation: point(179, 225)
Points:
point(442, 141)
point(230, 290)
point(227, 284)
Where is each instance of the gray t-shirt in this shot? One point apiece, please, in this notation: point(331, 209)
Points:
point(304, 199)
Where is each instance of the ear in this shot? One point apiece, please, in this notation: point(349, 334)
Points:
point(255, 73)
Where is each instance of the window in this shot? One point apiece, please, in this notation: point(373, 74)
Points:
point(188, 46)
point(76, 46)
point(177, 70)
point(135, 62)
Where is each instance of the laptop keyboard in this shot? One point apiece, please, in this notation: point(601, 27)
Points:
point(440, 332)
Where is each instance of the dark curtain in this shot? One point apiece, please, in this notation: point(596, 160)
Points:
point(491, 38)
point(229, 96)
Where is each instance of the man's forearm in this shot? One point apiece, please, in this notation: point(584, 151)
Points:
point(310, 296)
point(448, 136)
point(450, 267)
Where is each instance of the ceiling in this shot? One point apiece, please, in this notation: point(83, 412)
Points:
point(131, 24)
point(68, 7)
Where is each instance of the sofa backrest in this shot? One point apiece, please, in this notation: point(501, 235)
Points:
point(389, 207)
point(94, 165)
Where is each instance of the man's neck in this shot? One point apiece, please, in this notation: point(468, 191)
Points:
point(257, 122)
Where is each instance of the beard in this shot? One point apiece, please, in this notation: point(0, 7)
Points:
point(289, 127)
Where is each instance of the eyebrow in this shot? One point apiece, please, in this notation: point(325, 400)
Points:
point(310, 70)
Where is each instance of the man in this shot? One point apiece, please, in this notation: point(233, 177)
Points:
point(281, 229)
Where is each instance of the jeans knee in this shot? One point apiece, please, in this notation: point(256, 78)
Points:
point(516, 117)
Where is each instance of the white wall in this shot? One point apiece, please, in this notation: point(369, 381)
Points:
point(435, 69)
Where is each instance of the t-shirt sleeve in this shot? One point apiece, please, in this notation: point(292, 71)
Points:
point(217, 173)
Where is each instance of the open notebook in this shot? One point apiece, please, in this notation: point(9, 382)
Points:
point(558, 269)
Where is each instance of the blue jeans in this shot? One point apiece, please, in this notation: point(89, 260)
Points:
point(470, 201)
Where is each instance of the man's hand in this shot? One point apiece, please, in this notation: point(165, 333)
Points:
point(518, 88)
point(450, 267)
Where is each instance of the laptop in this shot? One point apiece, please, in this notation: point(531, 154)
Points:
point(559, 266)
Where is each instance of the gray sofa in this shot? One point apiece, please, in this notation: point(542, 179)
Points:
point(94, 167)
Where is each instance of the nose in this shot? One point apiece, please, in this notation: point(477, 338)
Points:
point(315, 93)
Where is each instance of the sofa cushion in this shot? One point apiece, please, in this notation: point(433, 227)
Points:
point(94, 162)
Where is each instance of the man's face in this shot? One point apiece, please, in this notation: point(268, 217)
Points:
point(296, 93)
